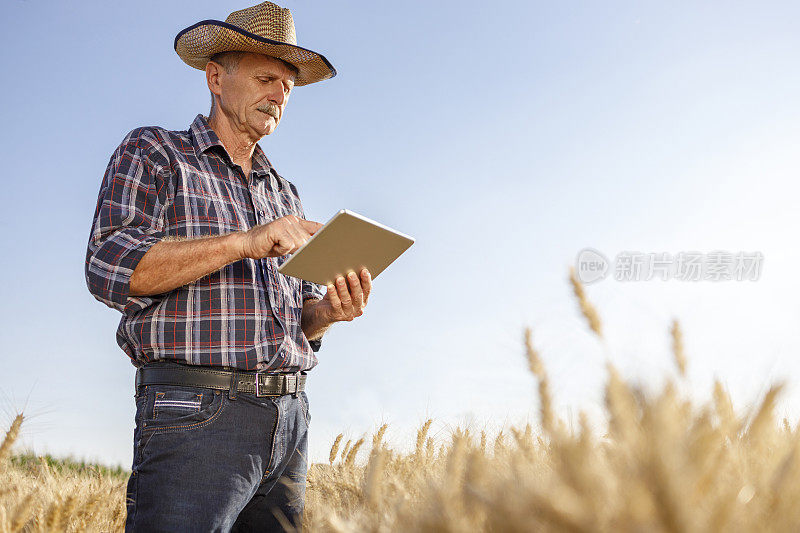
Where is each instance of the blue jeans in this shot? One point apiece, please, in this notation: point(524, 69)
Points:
point(206, 461)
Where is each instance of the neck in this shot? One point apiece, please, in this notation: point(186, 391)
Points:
point(237, 143)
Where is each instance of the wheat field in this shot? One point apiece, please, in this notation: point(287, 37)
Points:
point(661, 463)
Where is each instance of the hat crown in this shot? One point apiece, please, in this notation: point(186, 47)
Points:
point(266, 20)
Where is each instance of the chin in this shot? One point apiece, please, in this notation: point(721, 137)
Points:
point(269, 127)
point(263, 129)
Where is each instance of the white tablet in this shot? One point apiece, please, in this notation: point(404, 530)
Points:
point(347, 242)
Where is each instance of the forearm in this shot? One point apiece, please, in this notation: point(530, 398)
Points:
point(312, 321)
point(172, 264)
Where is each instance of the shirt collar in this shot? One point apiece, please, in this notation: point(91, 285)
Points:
point(204, 138)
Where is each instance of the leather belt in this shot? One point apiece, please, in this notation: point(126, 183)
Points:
point(258, 383)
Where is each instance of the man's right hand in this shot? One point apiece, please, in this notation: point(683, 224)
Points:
point(279, 237)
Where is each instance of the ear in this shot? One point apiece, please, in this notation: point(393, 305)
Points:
point(214, 71)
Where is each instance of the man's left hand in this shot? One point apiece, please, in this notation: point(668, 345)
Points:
point(347, 297)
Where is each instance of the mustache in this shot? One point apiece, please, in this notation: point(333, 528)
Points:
point(271, 110)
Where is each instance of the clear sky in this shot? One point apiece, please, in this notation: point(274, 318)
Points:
point(505, 137)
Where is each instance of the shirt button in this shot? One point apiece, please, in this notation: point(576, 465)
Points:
point(260, 213)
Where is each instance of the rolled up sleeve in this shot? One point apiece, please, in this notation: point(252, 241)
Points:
point(128, 221)
point(312, 290)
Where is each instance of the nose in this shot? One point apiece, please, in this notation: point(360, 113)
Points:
point(277, 95)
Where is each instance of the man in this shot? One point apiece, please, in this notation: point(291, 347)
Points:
point(189, 232)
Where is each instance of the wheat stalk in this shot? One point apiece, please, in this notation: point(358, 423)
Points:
point(677, 347)
point(346, 449)
point(335, 448)
point(373, 489)
point(351, 456)
point(378, 437)
point(422, 432)
point(545, 400)
point(587, 309)
point(11, 436)
point(763, 417)
point(22, 512)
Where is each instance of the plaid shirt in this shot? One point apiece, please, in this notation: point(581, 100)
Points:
point(163, 183)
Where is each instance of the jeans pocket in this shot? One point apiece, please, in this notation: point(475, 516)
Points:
point(304, 404)
point(179, 407)
point(176, 403)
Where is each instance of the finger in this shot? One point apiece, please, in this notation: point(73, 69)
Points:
point(282, 246)
point(366, 284)
point(356, 293)
point(282, 239)
point(299, 231)
point(299, 236)
point(309, 225)
point(344, 296)
point(336, 303)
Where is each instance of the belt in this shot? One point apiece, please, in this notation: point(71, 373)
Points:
point(258, 383)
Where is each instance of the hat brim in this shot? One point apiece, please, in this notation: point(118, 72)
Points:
point(196, 44)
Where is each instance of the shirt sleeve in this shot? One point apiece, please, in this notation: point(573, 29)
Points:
point(128, 221)
point(313, 290)
point(309, 289)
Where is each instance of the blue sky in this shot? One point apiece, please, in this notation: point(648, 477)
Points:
point(504, 137)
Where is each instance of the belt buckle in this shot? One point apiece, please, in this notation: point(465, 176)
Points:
point(286, 388)
point(258, 392)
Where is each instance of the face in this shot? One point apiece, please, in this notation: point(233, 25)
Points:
point(254, 95)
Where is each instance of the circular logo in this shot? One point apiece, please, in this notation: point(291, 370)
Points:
point(591, 265)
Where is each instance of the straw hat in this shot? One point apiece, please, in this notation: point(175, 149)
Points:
point(264, 29)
